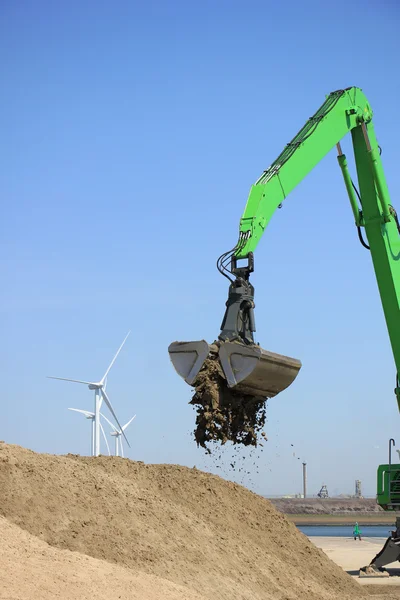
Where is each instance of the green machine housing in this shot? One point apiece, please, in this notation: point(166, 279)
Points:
point(388, 487)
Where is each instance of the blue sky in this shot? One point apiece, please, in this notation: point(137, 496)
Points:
point(132, 132)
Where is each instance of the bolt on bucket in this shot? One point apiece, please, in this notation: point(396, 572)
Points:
point(248, 369)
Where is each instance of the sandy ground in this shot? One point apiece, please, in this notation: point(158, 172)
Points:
point(32, 570)
point(74, 528)
point(351, 555)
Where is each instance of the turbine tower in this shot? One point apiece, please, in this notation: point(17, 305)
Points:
point(90, 415)
point(99, 395)
point(118, 437)
point(117, 433)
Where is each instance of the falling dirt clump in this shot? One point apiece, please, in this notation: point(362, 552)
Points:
point(222, 413)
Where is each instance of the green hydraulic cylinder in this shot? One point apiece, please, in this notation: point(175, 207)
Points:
point(342, 160)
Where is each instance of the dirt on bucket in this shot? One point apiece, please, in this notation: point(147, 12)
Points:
point(224, 414)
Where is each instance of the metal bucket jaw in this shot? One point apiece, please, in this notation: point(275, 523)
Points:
point(247, 368)
point(188, 358)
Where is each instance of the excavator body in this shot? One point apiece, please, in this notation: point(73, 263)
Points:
point(388, 497)
point(248, 368)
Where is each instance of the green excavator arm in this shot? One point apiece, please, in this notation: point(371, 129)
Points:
point(342, 111)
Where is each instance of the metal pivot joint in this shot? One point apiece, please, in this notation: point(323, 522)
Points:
point(239, 322)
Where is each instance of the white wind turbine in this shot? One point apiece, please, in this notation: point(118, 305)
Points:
point(118, 433)
point(99, 395)
point(90, 415)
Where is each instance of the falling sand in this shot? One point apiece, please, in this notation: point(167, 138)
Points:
point(222, 414)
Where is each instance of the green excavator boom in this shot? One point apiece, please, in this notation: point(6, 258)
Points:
point(342, 111)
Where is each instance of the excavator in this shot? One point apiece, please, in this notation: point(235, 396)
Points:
point(248, 368)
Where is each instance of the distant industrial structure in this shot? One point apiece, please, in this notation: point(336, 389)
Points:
point(358, 493)
point(304, 480)
point(323, 492)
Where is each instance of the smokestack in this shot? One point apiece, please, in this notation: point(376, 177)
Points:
point(358, 493)
point(304, 479)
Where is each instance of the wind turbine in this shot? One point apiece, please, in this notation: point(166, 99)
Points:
point(118, 433)
point(91, 415)
point(99, 395)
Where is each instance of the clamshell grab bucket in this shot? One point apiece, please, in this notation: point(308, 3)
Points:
point(188, 358)
point(247, 368)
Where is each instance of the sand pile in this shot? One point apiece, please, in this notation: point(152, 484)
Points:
point(163, 528)
point(33, 570)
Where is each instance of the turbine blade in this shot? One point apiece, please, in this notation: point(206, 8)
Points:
point(128, 423)
point(109, 422)
point(114, 359)
point(122, 448)
point(73, 380)
point(107, 401)
point(84, 412)
point(105, 439)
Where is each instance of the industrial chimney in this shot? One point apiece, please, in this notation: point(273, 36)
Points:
point(304, 479)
